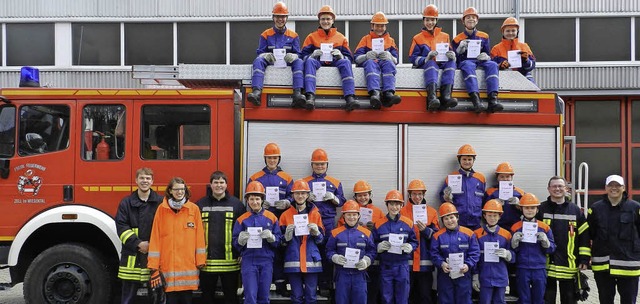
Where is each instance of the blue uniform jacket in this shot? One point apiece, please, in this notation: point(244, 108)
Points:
point(469, 202)
point(302, 253)
point(511, 214)
point(266, 220)
point(327, 209)
point(399, 225)
point(532, 255)
point(356, 237)
point(447, 241)
point(493, 274)
point(485, 46)
point(273, 38)
point(275, 178)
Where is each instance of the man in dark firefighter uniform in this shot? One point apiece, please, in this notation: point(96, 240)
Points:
point(219, 211)
point(569, 227)
point(614, 230)
point(133, 223)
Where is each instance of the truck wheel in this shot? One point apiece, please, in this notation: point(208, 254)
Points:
point(67, 273)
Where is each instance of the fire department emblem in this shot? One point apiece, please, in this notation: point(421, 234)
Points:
point(29, 183)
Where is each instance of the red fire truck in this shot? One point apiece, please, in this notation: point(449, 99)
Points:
point(68, 156)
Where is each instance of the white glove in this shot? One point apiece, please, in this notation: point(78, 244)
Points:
point(282, 204)
point(432, 55)
point(268, 235)
point(406, 247)
point(316, 54)
point(514, 201)
point(313, 229)
point(372, 55)
point(336, 53)
point(476, 282)
point(312, 197)
point(386, 55)
point(447, 194)
point(329, 196)
point(451, 55)
point(503, 253)
point(265, 205)
point(515, 240)
point(363, 263)
point(288, 233)
point(483, 57)
point(268, 57)
point(360, 59)
point(339, 259)
point(384, 246)
point(290, 57)
point(543, 239)
point(462, 47)
point(243, 237)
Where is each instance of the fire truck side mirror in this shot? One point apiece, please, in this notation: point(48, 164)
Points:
point(4, 168)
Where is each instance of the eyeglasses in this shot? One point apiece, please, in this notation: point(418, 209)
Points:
point(177, 189)
point(557, 186)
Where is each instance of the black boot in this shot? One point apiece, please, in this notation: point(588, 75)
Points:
point(433, 103)
point(494, 106)
point(374, 99)
point(446, 101)
point(254, 96)
point(352, 104)
point(311, 101)
point(298, 99)
point(389, 98)
point(475, 100)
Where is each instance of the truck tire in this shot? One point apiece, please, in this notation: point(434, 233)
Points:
point(68, 273)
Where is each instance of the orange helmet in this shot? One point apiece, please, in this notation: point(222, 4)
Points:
point(446, 209)
point(300, 186)
point(271, 149)
point(361, 186)
point(319, 156)
point(510, 22)
point(416, 185)
point(431, 11)
point(504, 168)
point(466, 149)
point(379, 18)
point(492, 206)
point(327, 10)
point(350, 206)
point(280, 9)
point(470, 11)
point(394, 196)
point(528, 199)
point(254, 187)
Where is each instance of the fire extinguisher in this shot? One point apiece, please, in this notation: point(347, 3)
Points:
point(102, 149)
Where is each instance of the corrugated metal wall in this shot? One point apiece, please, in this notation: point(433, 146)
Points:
point(588, 78)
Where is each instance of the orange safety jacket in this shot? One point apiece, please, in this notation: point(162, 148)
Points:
point(177, 246)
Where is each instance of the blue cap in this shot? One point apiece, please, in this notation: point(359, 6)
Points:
point(29, 77)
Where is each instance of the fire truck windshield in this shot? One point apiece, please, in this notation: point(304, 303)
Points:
point(7, 131)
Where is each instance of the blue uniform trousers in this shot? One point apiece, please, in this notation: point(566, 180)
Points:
point(256, 279)
point(431, 68)
point(260, 65)
point(311, 66)
point(394, 283)
point(456, 291)
point(531, 285)
point(492, 295)
point(351, 287)
point(468, 68)
point(372, 70)
point(303, 287)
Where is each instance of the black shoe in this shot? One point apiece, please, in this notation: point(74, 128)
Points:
point(351, 104)
point(433, 104)
point(478, 107)
point(310, 103)
point(374, 99)
point(281, 289)
point(298, 100)
point(494, 106)
point(389, 97)
point(446, 101)
point(255, 96)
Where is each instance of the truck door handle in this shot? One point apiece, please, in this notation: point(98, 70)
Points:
point(67, 193)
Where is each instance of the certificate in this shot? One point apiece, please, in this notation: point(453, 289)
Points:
point(326, 49)
point(506, 190)
point(279, 54)
point(319, 189)
point(396, 241)
point(353, 256)
point(301, 222)
point(454, 181)
point(529, 229)
point(490, 252)
point(474, 48)
point(272, 195)
point(377, 45)
point(255, 241)
point(456, 261)
point(515, 61)
point(420, 214)
point(366, 215)
point(442, 49)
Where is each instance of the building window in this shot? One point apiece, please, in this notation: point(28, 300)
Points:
point(104, 130)
point(539, 32)
point(635, 122)
point(602, 163)
point(43, 129)
point(605, 39)
point(202, 43)
point(635, 167)
point(148, 43)
point(247, 41)
point(96, 43)
point(597, 121)
point(176, 132)
point(30, 44)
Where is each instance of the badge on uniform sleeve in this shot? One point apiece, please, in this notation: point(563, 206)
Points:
point(191, 225)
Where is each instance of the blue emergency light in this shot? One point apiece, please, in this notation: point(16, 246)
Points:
point(29, 77)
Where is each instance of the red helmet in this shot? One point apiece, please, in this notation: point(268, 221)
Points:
point(327, 10)
point(509, 22)
point(350, 206)
point(446, 209)
point(431, 11)
point(254, 187)
point(280, 9)
point(379, 18)
point(416, 185)
point(528, 199)
point(319, 156)
point(300, 186)
point(271, 149)
point(504, 168)
point(470, 11)
point(466, 149)
point(492, 206)
point(361, 186)
point(394, 196)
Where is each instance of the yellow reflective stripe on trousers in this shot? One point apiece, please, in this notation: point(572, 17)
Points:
point(133, 274)
point(625, 272)
point(584, 251)
point(228, 229)
point(571, 245)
